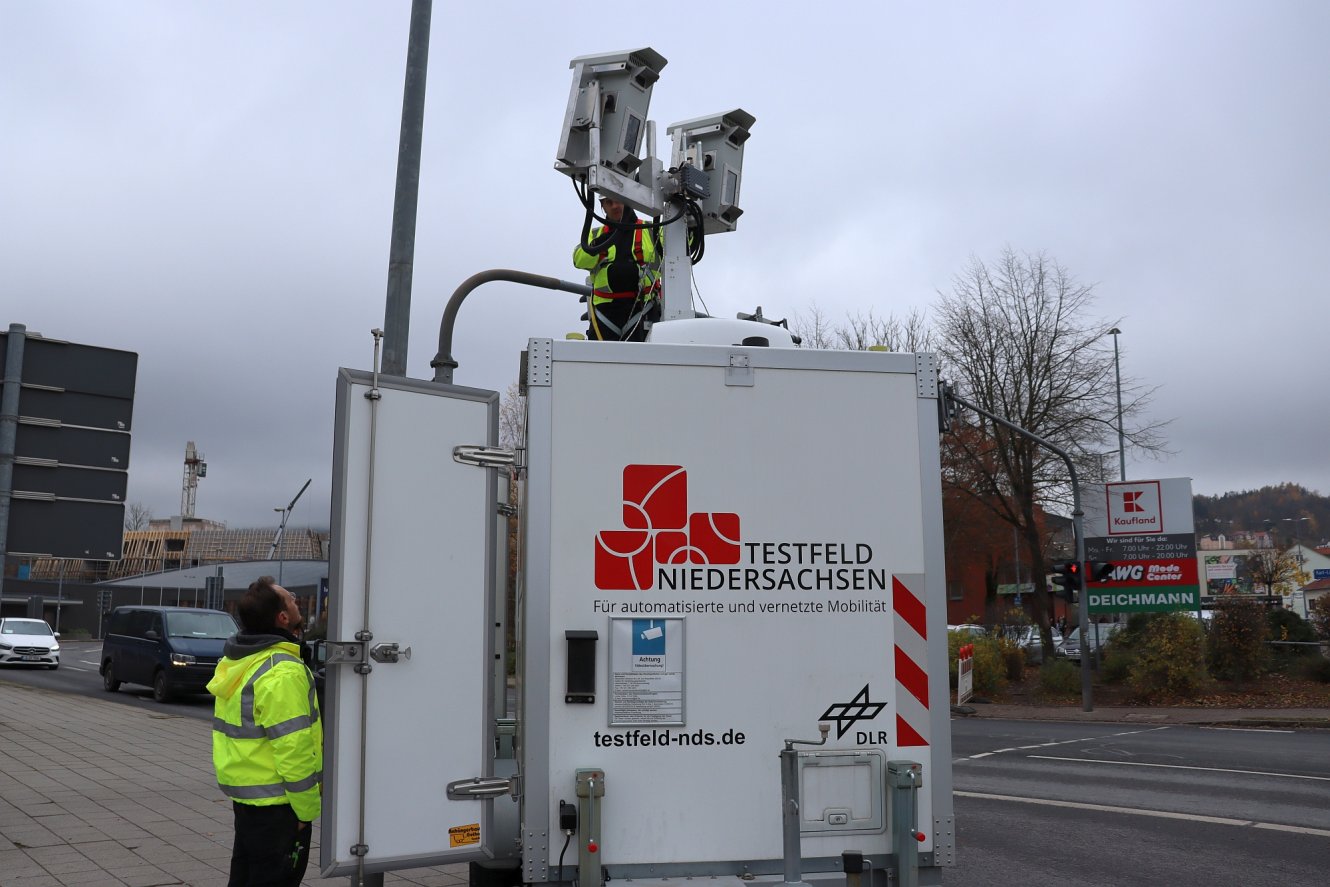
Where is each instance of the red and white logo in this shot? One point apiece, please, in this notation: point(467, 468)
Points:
point(659, 529)
point(1134, 508)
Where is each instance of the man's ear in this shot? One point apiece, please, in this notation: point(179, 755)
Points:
point(283, 619)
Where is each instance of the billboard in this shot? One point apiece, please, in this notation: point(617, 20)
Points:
point(1146, 530)
point(71, 447)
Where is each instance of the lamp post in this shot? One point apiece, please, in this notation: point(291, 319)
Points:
point(281, 542)
point(1117, 374)
point(1297, 535)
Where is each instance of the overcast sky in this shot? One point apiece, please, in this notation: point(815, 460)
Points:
point(211, 185)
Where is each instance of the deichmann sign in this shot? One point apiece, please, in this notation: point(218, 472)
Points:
point(1145, 529)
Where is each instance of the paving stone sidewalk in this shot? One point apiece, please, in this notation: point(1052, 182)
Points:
point(101, 794)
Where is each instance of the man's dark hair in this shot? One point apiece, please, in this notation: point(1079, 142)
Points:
point(259, 606)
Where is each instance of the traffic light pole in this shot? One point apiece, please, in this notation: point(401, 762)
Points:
point(1077, 525)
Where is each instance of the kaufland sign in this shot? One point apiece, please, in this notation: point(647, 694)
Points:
point(1134, 509)
point(1145, 529)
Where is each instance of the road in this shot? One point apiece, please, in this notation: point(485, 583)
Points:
point(78, 674)
point(1053, 803)
point(1123, 804)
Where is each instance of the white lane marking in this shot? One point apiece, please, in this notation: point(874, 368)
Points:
point(1248, 730)
point(1161, 814)
point(1052, 744)
point(75, 668)
point(1182, 767)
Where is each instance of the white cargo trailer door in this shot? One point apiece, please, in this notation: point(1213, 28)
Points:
point(412, 532)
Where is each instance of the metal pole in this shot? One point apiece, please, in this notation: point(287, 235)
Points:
point(1117, 373)
point(1077, 516)
point(401, 251)
point(9, 431)
point(59, 595)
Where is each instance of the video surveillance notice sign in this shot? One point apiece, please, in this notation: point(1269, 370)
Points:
point(1146, 530)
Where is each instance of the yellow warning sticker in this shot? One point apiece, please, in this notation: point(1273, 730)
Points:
point(462, 835)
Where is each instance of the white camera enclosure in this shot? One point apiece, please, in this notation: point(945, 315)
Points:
point(612, 90)
point(715, 145)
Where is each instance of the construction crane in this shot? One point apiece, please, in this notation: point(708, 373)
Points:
point(195, 468)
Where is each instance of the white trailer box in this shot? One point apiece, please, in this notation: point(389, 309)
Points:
point(723, 547)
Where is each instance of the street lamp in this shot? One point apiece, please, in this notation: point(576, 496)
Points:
point(279, 541)
point(1117, 373)
point(1297, 535)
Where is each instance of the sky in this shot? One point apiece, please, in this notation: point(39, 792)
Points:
point(211, 185)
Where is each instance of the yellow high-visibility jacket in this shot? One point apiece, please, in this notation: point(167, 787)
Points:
point(267, 738)
point(644, 255)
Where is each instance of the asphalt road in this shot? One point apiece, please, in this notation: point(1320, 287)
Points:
point(1122, 804)
point(1053, 803)
point(78, 674)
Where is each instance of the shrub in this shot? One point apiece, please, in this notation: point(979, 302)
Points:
point(76, 634)
point(1059, 679)
point(1237, 648)
point(1285, 625)
point(1317, 668)
point(990, 670)
point(1167, 659)
point(1318, 614)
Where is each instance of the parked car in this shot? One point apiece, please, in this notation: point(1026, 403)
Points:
point(171, 649)
point(1071, 644)
point(29, 642)
point(1033, 646)
point(968, 629)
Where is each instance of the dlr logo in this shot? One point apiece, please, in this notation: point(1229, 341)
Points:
point(865, 737)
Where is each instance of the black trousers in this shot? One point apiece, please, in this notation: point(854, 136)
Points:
point(269, 850)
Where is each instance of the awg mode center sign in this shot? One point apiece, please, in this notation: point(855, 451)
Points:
point(1145, 529)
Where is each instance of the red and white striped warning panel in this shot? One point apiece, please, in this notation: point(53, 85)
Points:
point(911, 632)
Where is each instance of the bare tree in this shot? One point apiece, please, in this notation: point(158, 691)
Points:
point(512, 418)
point(1017, 339)
point(862, 331)
point(137, 516)
point(814, 330)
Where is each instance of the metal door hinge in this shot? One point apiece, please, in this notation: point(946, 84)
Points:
point(485, 457)
point(480, 787)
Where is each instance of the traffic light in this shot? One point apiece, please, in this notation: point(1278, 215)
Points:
point(1067, 579)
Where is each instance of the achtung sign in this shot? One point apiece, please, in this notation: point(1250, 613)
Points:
point(1145, 529)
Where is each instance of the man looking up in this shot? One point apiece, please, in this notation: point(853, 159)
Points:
point(267, 740)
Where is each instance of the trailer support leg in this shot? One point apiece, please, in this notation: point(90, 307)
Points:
point(904, 779)
point(590, 791)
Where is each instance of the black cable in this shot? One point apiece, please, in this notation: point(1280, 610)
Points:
point(697, 245)
point(567, 836)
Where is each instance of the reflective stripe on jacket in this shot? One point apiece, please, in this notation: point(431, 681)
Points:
point(644, 255)
point(267, 739)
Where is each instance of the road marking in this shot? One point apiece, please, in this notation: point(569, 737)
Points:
point(1249, 730)
point(999, 751)
point(76, 668)
point(1161, 814)
point(1183, 767)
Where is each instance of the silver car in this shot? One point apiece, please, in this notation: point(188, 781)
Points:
point(1033, 645)
point(1071, 645)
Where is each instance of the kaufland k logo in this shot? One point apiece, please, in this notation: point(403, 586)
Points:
point(658, 528)
point(1134, 508)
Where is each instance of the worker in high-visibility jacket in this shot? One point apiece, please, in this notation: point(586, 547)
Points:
point(267, 739)
point(625, 276)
